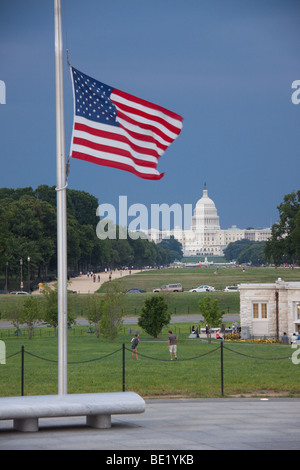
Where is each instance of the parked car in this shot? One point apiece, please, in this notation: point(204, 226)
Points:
point(20, 292)
point(169, 288)
point(4, 292)
point(135, 291)
point(231, 289)
point(203, 289)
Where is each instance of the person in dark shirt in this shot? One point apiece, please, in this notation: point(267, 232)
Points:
point(134, 343)
point(285, 339)
point(172, 344)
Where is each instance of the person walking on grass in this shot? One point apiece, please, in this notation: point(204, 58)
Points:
point(134, 343)
point(172, 344)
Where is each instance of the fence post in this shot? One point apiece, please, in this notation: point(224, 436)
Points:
point(222, 370)
point(123, 367)
point(22, 371)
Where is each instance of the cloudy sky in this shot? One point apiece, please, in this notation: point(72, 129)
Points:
point(227, 67)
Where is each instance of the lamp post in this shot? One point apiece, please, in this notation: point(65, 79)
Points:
point(6, 276)
point(28, 274)
point(21, 264)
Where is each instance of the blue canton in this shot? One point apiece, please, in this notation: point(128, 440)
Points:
point(92, 99)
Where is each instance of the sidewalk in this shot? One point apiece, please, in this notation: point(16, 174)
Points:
point(177, 425)
point(85, 285)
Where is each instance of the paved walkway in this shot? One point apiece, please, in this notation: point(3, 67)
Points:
point(176, 425)
point(85, 284)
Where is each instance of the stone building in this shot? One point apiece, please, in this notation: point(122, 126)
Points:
point(270, 309)
point(205, 236)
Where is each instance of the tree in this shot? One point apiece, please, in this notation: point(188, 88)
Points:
point(111, 319)
point(13, 310)
point(29, 229)
point(209, 309)
point(234, 249)
point(30, 314)
point(284, 244)
point(96, 307)
point(154, 315)
point(49, 308)
point(174, 246)
point(254, 254)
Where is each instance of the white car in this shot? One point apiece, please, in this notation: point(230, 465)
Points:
point(203, 289)
point(232, 289)
point(20, 293)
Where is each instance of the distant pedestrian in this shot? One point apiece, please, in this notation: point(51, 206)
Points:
point(218, 336)
point(172, 344)
point(134, 344)
point(207, 330)
point(285, 339)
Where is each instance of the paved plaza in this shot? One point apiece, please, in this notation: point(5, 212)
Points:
point(173, 425)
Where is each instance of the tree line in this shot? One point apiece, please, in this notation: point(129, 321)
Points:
point(283, 247)
point(104, 312)
point(28, 232)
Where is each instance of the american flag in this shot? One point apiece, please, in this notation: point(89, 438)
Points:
point(116, 129)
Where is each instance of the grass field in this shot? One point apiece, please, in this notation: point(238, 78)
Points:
point(179, 303)
point(193, 277)
point(96, 366)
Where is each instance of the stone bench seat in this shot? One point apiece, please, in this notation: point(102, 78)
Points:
point(97, 407)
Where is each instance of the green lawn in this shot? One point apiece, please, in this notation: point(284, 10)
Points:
point(96, 366)
point(193, 277)
point(248, 368)
point(179, 302)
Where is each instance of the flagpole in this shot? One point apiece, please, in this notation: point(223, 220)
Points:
point(61, 207)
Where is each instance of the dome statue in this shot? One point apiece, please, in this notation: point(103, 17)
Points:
point(205, 214)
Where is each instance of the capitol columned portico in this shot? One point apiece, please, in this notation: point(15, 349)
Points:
point(205, 237)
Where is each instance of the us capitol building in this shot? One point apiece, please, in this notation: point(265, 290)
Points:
point(205, 237)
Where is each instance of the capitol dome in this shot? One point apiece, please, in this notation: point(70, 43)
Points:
point(205, 214)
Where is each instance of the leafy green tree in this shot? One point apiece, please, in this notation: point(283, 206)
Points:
point(49, 308)
point(173, 246)
point(111, 319)
point(83, 207)
point(29, 230)
point(154, 315)
point(96, 307)
point(253, 254)
point(209, 309)
point(234, 249)
point(284, 244)
point(13, 310)
point(30, 314)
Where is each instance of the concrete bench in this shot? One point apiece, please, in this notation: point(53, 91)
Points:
point(97, 407)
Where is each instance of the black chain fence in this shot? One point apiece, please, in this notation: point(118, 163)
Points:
point(220, 347)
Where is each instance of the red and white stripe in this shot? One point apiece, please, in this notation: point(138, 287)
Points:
point(146, 130)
